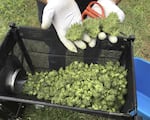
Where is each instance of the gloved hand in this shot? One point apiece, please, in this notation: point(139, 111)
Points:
point(109, 6)
point(62, 14)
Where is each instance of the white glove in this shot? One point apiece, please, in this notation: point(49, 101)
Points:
point(109, 7)
point(62, 14)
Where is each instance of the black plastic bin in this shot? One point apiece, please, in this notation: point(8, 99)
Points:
point(26, 49)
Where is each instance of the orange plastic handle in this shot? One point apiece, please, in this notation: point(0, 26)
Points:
point(92, 13)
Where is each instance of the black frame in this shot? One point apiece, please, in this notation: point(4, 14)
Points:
point(16, 34)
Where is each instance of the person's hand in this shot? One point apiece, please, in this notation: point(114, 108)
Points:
point(110, 6)
point(102, 9)
point(62, 14)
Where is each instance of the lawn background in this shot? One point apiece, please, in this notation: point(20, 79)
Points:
point(24, 13)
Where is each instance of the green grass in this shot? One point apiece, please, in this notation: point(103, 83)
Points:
point(137, 23)
point(21, 12)
point(24, 13)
